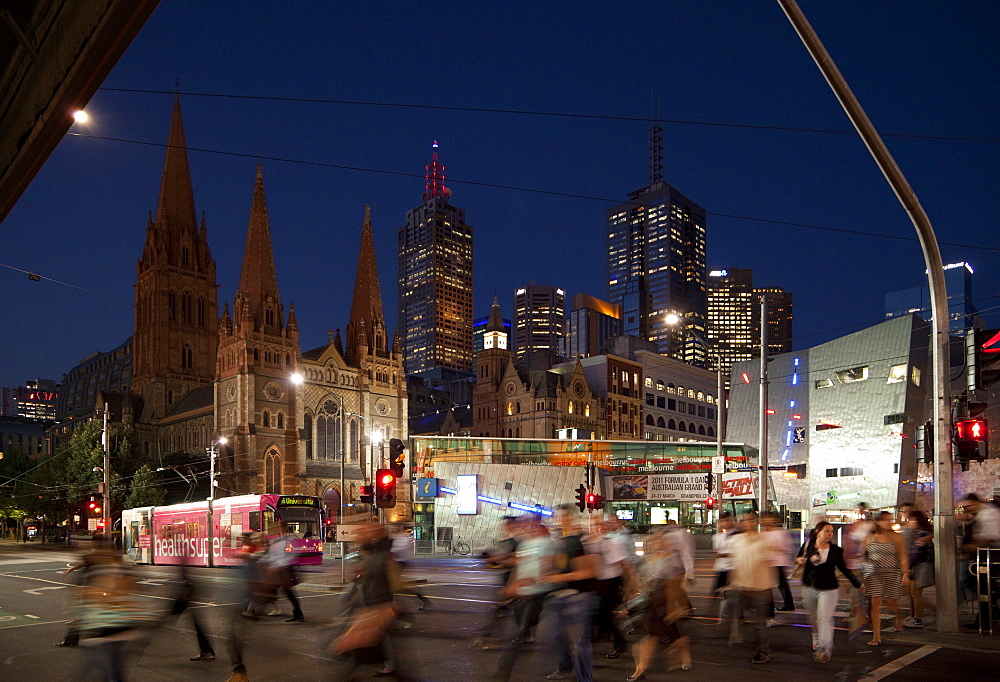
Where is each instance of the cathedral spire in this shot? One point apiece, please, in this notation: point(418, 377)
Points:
point(434, 177)
point(258, 290)
point(175, 209)
point(366, 306)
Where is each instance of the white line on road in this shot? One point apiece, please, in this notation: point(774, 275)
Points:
point(38, 590)
point(28, 615)
point(899, 663)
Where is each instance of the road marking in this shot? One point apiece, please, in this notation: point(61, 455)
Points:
point(38, 590)
point(28, 615)
point(899, 663)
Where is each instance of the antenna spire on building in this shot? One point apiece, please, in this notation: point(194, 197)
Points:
point(655, 155)
point(434, 177)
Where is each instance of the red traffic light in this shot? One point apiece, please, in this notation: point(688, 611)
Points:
point(385, 489)
point(710, 503)
point(971, 429)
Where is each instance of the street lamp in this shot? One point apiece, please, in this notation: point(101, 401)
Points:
point(212, 454)
point(673, 319)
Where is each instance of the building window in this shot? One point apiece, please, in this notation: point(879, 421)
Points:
point(648, 383)
point(269, 316)
point(586, 410)
point(852, 471)
point(281, 420)
point(265, 419)
point(853, 375)
point(510, 409)
point(915, 375)
point(650, 399)
point(569, 409)
point(897, 374)
point(831, 473)
point(307, 424)
point(823, 383)
point(649, 420)
point(671, 403)
point(272, 472)
point(187, 357)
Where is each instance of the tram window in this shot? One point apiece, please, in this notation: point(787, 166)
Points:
point(270, 522)
point(254, 521)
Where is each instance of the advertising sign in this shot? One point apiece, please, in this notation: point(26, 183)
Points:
point(467, 497)
point(739, 485)
point(677, 487)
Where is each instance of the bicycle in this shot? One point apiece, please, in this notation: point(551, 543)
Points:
point(459, 547)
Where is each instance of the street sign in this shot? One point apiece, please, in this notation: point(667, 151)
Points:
point(719, 464)
point(348, 533)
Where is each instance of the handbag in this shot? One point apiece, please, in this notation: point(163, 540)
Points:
point(923, 575)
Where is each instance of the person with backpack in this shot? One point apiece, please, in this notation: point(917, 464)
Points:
point(820, 559)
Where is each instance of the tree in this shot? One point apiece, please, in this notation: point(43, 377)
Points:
point(145, 491)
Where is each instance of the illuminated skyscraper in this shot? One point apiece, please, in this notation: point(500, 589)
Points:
point(656, 264)
point(734, 318)
point(435, 280)
point(539, 323)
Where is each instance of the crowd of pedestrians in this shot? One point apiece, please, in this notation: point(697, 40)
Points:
point(574, 585)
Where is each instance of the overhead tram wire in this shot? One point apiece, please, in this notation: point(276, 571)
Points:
point(516, 188)
point(554, 114)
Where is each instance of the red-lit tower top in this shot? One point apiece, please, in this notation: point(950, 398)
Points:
point(434, 178)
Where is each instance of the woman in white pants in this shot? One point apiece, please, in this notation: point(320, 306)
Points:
point(821, 559)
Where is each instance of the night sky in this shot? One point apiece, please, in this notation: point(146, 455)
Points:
point(726, 76)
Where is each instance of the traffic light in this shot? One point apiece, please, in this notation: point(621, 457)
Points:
point(367, 494)
point(397, 455)
point(709, 482)
point(598, 502)
point(928, 453)
point(385, 488)
point(986, 356)
point(710, 503)
point(971, 440)
point(581, 498)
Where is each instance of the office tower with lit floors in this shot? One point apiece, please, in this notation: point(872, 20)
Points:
point(539, 324)
point(435, 280)
point(656, 263)
point(734, 318)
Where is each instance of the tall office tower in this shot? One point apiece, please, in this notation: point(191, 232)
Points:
point(435, 280)
point(734, 318)
point(779, 318)
point(961, 311)
point(590, 324)
point(539, 324)
point(731, 315)
point(656, 263)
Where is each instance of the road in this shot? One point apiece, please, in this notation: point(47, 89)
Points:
point(34, 594)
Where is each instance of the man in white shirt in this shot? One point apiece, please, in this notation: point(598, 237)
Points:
point(754, 576)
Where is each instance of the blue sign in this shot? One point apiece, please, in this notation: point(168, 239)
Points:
point(427, 488)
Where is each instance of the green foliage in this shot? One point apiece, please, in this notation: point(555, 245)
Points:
point(145, 491)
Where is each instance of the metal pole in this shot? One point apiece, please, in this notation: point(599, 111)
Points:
point(211, 473)
point(106, 437)
point(944, 495)
point(718, 445)
point(762, 484)
point(340, 516)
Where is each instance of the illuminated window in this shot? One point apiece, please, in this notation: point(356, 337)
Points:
point(897, 374)
point(570, 407)
point(915, 375)
point(824, 383)
point(586, 410)
point(510, 409)
point(648, 383)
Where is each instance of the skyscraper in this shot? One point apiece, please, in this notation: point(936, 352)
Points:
point(734, 318)
point(961, 311)
point(539, 323)
point(435, 280)
point(590, 324)
point(656, 263)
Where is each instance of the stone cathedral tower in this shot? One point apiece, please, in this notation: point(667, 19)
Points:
point(255, 396)
point(176, 315)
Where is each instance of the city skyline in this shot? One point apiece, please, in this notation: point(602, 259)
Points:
point(82, 220)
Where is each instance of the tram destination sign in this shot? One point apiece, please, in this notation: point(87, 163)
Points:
point(286, 501)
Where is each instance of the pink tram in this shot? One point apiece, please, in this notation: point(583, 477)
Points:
point(210, 533)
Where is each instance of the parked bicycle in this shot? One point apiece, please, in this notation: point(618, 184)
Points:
point(459, 547)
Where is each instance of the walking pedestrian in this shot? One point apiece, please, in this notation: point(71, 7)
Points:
point(854, 535)
point(754, 577)
point(982, 530)
point(886, 571)
point(820, 558)
point(662, 578)
point(778, 541)
point(569, 608)
point(279, 563)
point(921, 565)
point(186, 593)
point(613, 569)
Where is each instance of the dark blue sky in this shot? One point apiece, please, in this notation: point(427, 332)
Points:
point(919, 68)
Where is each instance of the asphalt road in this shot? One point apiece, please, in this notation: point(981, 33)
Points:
point(34, 595)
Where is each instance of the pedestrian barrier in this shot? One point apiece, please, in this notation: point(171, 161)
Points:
point(986, 568)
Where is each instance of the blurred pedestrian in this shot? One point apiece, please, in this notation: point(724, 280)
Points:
point(613, 569)
point(402, 552)
point(723, 553)
point(186, 593)
point(821, 558)
point(502, 557)
point(662, 578)
point(683, 544)
point(886, 571)
point(781, 558)
point(853, 537)
point(77, 574)
point(921, 555)
point(753, 576)
point(569, 608)
point(279, 564)
point(982, 530)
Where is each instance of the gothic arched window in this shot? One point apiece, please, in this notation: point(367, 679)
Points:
point(269, 315)
point(265, 419)
point(281, 420)
point(272, 472)
point(187, 357)
point(307, 426)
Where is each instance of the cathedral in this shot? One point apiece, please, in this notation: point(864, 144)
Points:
point(284, 420)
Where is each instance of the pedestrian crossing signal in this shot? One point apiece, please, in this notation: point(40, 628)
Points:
point(581, 498)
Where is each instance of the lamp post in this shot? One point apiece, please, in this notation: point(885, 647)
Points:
point(212, 454)
point(673, 319)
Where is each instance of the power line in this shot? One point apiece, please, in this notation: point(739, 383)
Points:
point(517, 188)
point(555, 114)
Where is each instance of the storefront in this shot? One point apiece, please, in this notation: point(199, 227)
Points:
point(644, 483)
